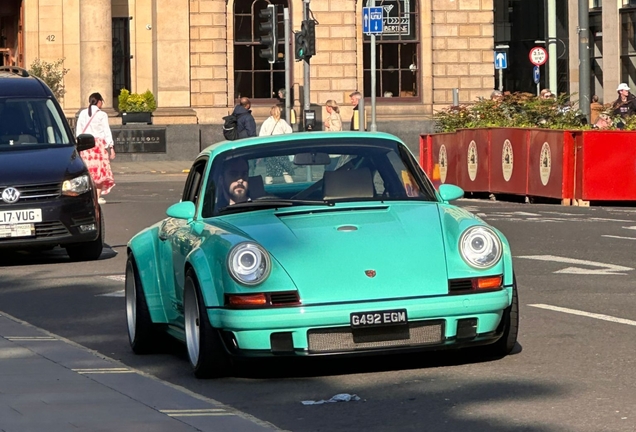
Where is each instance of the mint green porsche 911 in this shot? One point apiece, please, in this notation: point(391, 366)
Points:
point(313, 244)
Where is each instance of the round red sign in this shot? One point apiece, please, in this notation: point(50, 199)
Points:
point(538, 56)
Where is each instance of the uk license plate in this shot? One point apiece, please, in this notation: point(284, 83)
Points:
point(26, 216)
point(17, 230)
point(379, 318)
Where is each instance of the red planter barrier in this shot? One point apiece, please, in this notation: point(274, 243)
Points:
point(509, 160)
point(606, 166)
point(551, 164)
point(474, 175)
point(441, 157)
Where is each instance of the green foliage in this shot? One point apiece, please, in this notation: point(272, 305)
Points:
point(51, 73)
point(513, 110)
point(135, 102)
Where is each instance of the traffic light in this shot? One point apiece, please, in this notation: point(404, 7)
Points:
point(270, 38)
point(308, 27)
point(305, 40)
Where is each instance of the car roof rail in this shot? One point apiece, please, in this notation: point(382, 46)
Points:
point(15, 70)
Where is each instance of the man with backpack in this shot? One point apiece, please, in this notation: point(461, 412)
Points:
point(241, 123)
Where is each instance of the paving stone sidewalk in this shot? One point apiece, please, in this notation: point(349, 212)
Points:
point(48, 383)
point(156, 167)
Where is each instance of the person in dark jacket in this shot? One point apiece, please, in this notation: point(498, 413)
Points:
point(245, 123)
point(625, 105)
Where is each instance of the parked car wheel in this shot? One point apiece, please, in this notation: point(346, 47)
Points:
point(205, 348)
point(141, 331)
point(510, 324)
point(88, 251)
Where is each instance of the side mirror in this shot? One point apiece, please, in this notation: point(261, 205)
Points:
point(183, 210)
point(85, 142)
point(450, 192)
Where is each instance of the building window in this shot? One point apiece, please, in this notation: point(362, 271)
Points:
point(254, 76)
point(596, 52)
point(628, 46)
point(397, 51)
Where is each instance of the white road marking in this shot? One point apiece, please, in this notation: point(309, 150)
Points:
point(117, 278)
point(30, 338)
point(120, 293)
point(585, 314)
point(619, 237)
point(606, 269)
point(103, 371)
point(197, 412)
point(630, 227)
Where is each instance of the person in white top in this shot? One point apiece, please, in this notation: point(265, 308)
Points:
point(276, 166)
point(94, 121)
point(275, 125)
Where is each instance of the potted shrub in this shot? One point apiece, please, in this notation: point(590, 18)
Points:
point(136, 107)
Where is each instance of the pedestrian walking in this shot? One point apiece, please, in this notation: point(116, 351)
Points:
point(355, 99)
point(625, 105)
point(94, 121)
point(279, 165)
point(245, 123)
point(333, 122)
point(275, 124)
point(596, 109)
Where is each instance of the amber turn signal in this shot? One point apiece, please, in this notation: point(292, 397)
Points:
point(247, 300)
point(488, 282)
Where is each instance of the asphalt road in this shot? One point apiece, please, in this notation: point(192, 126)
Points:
point(574, 368)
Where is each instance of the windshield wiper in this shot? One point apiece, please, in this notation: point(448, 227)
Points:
point(265, 202)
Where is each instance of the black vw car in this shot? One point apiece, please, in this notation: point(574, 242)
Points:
point(47, 197)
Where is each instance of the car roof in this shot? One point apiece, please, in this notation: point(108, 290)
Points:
point(222, 146)
point(14, 84)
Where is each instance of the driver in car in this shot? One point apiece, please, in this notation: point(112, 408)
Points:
point(233, 184)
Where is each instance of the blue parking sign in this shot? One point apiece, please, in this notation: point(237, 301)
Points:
point(372, 20)
point(536, 74)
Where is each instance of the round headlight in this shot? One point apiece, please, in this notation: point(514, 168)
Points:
point(480, 247)
point(248, 263)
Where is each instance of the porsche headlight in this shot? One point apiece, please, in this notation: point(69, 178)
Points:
point(249, 264)
point(480, 247)
point(76, 186)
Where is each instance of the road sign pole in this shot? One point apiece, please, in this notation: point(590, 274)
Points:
point(374, 126)
point(500, 80)
point(288, 66)
point(306, 69)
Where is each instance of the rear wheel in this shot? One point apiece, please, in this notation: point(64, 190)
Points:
point(89, 251)
point(205, 349)
point(510, 327)
point(142, 334)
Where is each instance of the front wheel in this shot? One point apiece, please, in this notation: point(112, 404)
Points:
point(205, 349)
point(88, 251)
point(141, 330)
point(509, 325)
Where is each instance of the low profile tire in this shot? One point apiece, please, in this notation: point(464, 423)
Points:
point(205, 349)
point(88, 251)
point(510, 327)
point(142, 333)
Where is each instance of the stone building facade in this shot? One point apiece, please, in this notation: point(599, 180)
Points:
point(199, 56)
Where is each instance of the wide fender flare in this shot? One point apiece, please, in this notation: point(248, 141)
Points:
point(203, 269)
point(144, 248)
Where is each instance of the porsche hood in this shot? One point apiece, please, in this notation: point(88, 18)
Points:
point(340, 255)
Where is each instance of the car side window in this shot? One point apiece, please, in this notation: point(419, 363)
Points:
point(194, 182)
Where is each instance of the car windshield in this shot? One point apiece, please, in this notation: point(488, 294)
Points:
point(314, 172)
point(30, 121)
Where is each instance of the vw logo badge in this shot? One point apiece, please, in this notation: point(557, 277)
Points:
point(370, 273)
point(10, 195)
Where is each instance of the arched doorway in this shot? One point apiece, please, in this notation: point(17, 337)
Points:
point(11, 36)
